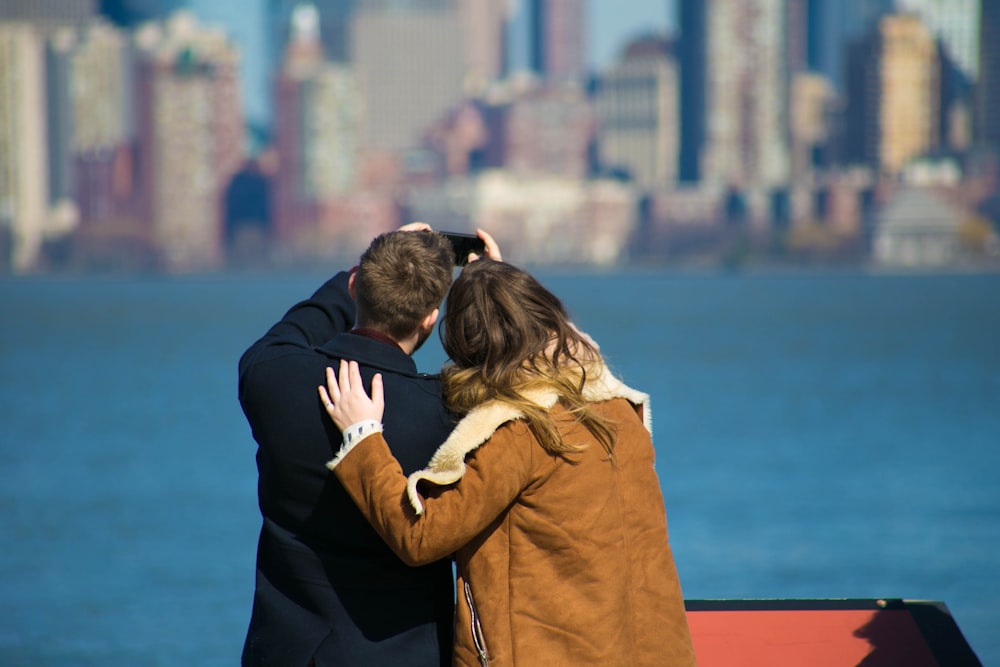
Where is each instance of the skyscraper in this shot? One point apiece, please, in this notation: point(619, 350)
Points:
point(479, 33)
point(58, 113)
point(133, 12)
point(317, 131)
point(484, 26)
point(987, 130)
point(832, 26)
point(549, 131)
point(101, 89)
point(409, 86)
point(24, 177)
point(334, 27)
point(956, 24)
point(101, 92)
point(734, 91)
point(48, 13)
point(191, 133)
point(797, 27)
point(895, 94)
point(637, 112)
point(692, 57)
point(557, 49)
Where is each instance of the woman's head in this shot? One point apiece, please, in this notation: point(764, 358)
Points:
point(507, 335)
point(498, 315)
point(499, 318)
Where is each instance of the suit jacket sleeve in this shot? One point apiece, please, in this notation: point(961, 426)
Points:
point(328, 312)
point(496, 473)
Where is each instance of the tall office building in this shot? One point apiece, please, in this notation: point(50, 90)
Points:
point(317, 131)
point(334, 28)
point(987, 118)
point(48, 13)
point(692, 59)
point(797, 28)
point(101, 89)
point(734, 90)
point(191, 135)
point(894, 82)
point(484, 27)
point(34, 126)
point(556, 43)
point(548, 131)
point(409, 86)
point(58, 113)
point(809, 120)
point(956, 24)
point(57, 21)
point(101, 106)
point(130, 13)
point(832, 25)
point(24, 177)
point(637, 114)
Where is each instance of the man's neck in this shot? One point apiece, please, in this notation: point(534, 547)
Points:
point(408, 345)
point(380, 336)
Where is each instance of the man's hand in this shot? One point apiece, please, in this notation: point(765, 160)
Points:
point(415, 227)
point(345, 399)
point(492, 249)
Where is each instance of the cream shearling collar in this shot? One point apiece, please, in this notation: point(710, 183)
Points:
point(447, 466)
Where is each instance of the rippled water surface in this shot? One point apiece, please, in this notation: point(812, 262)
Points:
point(831, 435)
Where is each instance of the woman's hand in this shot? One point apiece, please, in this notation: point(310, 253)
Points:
point(345, 399)
point(492, 249)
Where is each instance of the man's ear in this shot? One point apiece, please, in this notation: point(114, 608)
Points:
point(427, 324)
point(351, 289)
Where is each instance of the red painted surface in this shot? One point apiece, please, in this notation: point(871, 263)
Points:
point(815, 637)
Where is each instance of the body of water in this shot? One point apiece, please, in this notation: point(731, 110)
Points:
point(818, 435)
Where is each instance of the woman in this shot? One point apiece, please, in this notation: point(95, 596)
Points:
point(545, 491)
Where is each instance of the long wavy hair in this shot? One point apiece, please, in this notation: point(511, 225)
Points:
point(508, 337)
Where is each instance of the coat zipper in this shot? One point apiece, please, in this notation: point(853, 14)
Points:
point(477, 629)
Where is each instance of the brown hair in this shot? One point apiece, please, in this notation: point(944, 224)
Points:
point(402, 277)
point(506, 336)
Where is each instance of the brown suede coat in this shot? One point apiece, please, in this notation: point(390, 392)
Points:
point(562, 560)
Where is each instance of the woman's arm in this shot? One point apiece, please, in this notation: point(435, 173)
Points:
point(495, 475)
point(453, 516)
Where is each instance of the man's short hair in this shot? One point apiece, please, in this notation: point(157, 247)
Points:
point(402, 277)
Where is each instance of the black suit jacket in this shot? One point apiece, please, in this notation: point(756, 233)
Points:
point(327, 586)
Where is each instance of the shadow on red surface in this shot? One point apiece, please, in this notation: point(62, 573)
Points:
point(827, 633)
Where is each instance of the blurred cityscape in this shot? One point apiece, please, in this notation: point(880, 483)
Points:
point(775, 132)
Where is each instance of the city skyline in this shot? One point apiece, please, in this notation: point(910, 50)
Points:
point(729, 139)
point(610, 24)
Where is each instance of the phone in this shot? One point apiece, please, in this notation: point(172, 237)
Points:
point(463, 244)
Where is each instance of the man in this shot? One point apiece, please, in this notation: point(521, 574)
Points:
point(328, 590)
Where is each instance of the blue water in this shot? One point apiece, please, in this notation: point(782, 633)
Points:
point(831, 435)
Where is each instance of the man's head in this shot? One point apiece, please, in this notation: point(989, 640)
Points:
point(401, 281)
